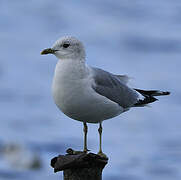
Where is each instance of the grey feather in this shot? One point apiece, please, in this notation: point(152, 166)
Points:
point(123, 78)
point(110, 86)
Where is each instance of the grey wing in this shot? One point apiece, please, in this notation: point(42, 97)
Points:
point(123, 78)
point(110, 86)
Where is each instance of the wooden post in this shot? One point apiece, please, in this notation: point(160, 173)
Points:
point(79, 166)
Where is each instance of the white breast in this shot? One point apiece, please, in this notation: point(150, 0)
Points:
point(73, 94)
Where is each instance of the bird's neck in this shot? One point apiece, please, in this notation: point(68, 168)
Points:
point(71, 69)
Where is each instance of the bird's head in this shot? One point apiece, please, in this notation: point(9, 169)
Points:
point(66, 48)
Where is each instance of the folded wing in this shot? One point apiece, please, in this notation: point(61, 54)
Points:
point(114, 88)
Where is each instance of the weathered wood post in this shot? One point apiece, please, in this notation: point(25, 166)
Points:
point(79, 166)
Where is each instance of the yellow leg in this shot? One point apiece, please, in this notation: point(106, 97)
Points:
point(100, 138)
point(85, 137)
point(100, 141)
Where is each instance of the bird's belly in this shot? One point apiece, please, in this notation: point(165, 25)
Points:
point(82, 103)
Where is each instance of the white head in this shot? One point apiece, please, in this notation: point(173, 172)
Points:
point(67, 48)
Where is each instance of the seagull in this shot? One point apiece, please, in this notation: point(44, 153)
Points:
point(89, 94)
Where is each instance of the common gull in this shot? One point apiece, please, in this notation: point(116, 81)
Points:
point(89, 94)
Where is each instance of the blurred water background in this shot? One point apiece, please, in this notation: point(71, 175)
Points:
point(139, 38)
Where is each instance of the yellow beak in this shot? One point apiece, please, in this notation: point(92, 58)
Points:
point(48, 51)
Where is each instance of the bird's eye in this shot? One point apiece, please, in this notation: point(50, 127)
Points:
point(66, 45)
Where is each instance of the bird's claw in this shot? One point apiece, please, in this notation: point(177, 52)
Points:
point(86, 151)
point(70, 151)
point(102, 155)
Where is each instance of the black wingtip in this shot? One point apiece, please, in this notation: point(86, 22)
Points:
point(166, 93)
point(153, 92)
point(145, 101)
point(150, 96)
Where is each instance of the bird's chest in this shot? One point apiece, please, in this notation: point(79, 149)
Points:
point(66, 92)
point(68, 88)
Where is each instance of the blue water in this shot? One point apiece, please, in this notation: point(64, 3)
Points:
point(139, 38)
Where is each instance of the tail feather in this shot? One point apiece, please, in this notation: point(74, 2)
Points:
point(149, 96)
